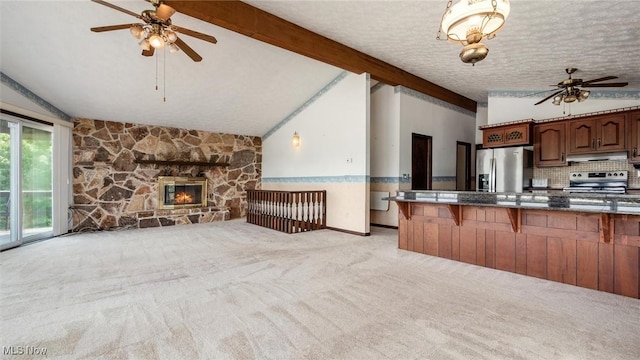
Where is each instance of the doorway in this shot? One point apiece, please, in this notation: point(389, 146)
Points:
point(421, 160)
point(25, 182)
point(463, 166)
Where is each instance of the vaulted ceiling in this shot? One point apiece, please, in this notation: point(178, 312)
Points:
point(246, 86)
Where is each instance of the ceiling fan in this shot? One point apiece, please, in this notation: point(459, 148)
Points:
point(570, 90)
point(157, 30)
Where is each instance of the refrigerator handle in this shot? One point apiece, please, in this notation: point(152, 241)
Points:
point(492, 175)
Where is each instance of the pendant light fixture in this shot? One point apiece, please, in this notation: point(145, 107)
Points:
point(467, 22)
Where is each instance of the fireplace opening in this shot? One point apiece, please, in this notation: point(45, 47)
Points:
point(181, 192)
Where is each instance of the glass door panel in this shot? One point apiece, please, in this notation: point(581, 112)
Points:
point(36, 183)
point(25, 182)
point(9, 132)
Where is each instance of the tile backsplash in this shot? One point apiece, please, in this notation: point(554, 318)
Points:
point(559, 176)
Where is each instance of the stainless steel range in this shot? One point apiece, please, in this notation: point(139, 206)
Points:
point(604, 182)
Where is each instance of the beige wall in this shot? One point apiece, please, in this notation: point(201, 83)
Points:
point(341, 214)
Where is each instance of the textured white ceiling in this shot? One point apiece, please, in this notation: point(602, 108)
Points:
point(539, 40)
point(244, 86)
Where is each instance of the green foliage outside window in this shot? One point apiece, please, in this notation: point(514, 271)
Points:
point(36, 178)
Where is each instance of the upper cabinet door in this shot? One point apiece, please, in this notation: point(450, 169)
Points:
point(582, 136)
point(597, 134)
point(634, 149)
point(549, 144)
point(611, 133)
point(508, 135)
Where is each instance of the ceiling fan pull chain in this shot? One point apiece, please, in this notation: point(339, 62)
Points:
point(164, 74)
point(156, 72)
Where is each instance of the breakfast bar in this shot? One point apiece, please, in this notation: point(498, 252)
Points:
point(587, 240)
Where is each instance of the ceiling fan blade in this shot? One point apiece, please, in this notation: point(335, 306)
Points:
point(195, 34)
point(164, 12)
point(111, 27)
point(620, 84)
point(599, 79)
point(540, 92)
point(115, 7)
point(148, 52)
point(548, 97)
point(187, 50)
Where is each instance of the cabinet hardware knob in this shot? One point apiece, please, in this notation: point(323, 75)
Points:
point(593, 143)
point(562, 157)
point(598, 142)
point(635, 151)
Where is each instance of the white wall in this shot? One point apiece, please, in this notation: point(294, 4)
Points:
point(385, 150)
point(445, 125)
point(482, 118)
point(333, 154)
point(398, 112)
point(385, 132)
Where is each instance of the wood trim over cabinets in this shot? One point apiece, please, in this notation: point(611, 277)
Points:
point(260, 25)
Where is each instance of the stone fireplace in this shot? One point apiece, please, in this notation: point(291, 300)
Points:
point(117, 167)
point(176, 192)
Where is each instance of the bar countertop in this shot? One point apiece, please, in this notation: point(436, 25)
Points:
point(550, 200)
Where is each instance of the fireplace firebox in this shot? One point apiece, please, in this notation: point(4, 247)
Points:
point(176, 192)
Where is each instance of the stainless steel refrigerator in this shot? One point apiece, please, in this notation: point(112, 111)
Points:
point(504, 169)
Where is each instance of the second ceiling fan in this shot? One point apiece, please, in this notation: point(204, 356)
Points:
point(570, 90)
point(157, 30)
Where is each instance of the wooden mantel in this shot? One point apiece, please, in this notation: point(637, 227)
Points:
point(181, 163)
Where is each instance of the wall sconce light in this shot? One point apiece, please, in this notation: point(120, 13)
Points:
point(295, 140)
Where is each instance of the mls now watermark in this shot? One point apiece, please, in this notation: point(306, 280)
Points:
point(24, 350)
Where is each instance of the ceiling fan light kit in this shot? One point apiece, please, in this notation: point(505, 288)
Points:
point(157, 30)
point(467, 22)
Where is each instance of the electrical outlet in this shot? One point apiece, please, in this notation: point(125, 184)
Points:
point(405, 176)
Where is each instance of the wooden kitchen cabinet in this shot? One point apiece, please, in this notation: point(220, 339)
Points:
point(549, 148)
point(634, 148)
point(508, 135)
point(597, 134)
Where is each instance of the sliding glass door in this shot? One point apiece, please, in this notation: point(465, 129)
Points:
point(25, 182)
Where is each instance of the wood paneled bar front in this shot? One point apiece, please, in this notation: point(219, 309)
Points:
point(591, 241)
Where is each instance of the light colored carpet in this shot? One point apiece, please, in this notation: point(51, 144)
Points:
point(232, 290)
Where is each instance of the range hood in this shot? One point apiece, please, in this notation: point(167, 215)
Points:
point(597, 157)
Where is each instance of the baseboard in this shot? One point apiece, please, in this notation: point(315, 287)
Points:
point(384, 226)
point(348, 231)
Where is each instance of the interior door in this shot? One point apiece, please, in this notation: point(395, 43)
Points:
point(421, 154)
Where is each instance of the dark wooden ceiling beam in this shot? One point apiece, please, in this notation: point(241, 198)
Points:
point(260, 25)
